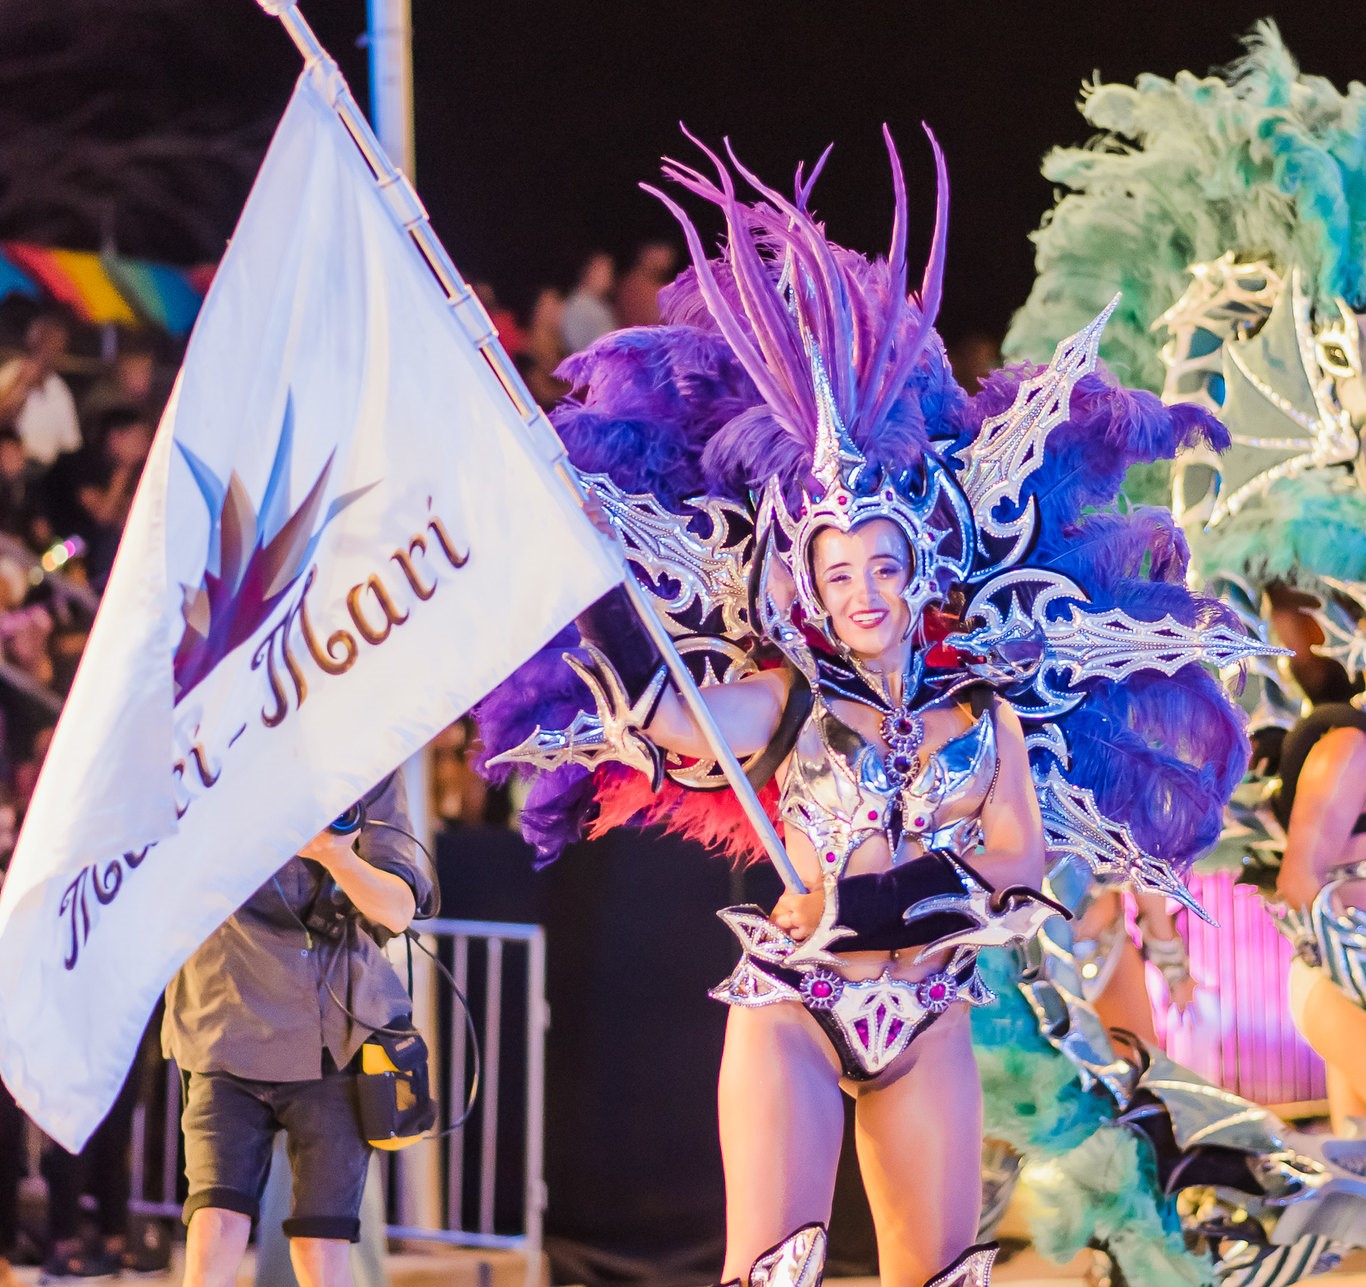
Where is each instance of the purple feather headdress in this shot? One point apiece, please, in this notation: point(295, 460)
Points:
point(696, 405)
point(830, 343)
point(798, 312)
point(803, 384)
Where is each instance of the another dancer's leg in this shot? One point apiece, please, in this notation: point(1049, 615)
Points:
point(1335, 1025)
point(1126, 1003)
point(1346, 1103)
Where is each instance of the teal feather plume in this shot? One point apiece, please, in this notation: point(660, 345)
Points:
point(1263, 160)
point(1304, 527)
point(1091, 1182)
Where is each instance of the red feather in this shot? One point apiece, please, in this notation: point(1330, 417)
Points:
point(714, 818)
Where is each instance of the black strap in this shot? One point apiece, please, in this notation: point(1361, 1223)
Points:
point(1300, 741)
point(874, 905)
point(796, 708)
point(612, 626)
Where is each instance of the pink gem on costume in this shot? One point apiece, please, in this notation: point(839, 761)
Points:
point(937, 992)
point(820, 989)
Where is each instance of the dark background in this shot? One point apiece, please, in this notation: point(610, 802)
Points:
point(632, 1161)
point(142, 121)
point(536, 122)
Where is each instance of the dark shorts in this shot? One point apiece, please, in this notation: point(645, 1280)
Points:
point(230, 1125)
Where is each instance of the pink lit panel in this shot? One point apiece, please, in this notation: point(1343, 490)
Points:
point(1241, 1036)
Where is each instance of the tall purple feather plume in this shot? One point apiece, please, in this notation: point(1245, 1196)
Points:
point(780, 285)
point(542, 691)
point(1162, 753)
point(746, 266)
point(646, 402)
point(557, 811)
point(931, 287)
point(1105, 547)
point(1109, 429)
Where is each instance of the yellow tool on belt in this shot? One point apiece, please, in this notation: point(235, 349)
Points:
point(396, 1106)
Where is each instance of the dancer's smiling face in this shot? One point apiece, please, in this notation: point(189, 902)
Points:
point(860, 576)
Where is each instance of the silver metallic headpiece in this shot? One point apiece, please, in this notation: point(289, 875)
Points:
point(843, 493)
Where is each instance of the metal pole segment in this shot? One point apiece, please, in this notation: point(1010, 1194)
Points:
point(706, 721)
point(481, 330)
point(459, 1070)
point(170, 1133)
point(391, 77)
point(450, 1238)
point(137, 1147)
point(537, 1021)
point(493, 1062)
point(418, 1187)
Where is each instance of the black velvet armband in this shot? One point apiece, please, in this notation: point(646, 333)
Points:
point(874, 906)
point(613, 627)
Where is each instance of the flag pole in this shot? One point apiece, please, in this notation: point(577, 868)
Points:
point(412, 215)
point(390, 42)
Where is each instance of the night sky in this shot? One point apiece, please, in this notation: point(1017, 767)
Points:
point(536, 122)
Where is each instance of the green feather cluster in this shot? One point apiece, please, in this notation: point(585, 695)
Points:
point(1104, 1192)
point(1093, 1183)
point(1031, 1095)
point(1262, 160)
point(1306, 526)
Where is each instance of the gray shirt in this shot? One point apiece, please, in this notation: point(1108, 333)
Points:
point(254, 1000)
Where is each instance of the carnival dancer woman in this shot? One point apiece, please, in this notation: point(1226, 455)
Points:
point(787, 1060)
point(1321, 804)
point(893, 600)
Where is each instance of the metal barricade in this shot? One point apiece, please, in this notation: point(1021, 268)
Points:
point(468, 1190)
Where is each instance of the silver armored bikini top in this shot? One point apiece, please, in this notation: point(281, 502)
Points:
point(839, 792)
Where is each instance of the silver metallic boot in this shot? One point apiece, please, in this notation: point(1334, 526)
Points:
point(797, 1261)
point(971, 1269)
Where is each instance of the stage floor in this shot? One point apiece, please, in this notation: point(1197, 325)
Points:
point(452, 1268)
point(1027, 1269)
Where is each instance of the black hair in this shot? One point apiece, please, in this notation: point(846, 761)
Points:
point(118, 418)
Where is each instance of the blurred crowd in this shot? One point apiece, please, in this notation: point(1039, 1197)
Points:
point(75, 432)
point(557, 324)
point(74, 437)
point(605, 298)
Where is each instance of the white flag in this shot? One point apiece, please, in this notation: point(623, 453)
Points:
point(342, 541)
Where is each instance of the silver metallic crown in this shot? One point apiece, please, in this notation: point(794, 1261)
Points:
point(843, 494)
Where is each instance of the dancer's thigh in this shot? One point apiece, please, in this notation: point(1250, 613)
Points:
point(920, 1150)
point(1331, 1022)
point(782, 1120)
point(1346, 1101)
